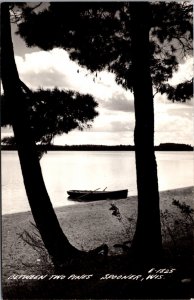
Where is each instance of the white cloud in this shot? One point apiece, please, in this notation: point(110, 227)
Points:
point(54, 68)
point(184, 72)
point(49, 69)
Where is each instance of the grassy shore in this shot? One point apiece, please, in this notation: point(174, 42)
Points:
point(88, 226)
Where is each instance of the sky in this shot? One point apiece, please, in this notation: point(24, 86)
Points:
point(115, 123)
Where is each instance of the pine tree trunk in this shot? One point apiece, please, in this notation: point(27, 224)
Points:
point(43, 213)
point(147, 242)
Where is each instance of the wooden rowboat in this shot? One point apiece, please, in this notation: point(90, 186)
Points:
point(83, 195)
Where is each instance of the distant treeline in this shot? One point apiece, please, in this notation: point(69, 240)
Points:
point(173, 147)
point(161, 147)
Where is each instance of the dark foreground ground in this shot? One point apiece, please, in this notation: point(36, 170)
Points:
point(112, 278)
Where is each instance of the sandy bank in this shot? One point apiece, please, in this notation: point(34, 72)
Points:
point(87, 226)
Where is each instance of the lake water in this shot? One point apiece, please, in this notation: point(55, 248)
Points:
point(64, 170)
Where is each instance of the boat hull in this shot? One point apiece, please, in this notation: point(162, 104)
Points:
point(80, 195)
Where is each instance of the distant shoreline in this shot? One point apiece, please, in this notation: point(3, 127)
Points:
point(161, 147)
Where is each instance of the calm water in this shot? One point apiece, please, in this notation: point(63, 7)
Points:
point(90, 170)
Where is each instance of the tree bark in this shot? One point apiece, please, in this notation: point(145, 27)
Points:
point(43, 213)
point(147, 242)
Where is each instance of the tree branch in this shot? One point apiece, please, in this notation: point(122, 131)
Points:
point(25, 88)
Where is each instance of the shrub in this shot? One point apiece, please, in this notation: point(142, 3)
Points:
point(33, 239)
point(177, 228)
